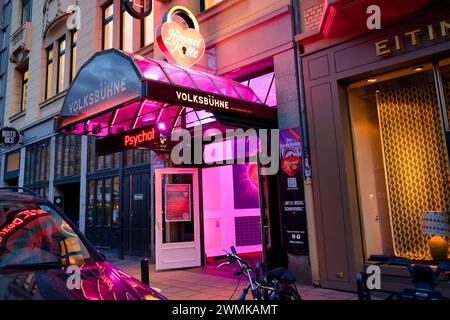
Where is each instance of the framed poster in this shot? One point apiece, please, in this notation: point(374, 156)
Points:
point(178, 203)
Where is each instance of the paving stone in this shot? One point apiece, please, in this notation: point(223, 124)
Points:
point(207, 284)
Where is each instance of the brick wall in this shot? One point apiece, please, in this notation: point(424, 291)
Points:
point(312, 12)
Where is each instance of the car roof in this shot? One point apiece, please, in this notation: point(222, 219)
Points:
point(8, 195)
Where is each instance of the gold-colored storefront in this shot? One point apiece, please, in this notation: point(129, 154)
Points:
point(399, 125)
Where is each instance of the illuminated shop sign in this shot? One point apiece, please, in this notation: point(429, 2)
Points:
point(207, 101)
point(21, 219)
point(414, 37)
point(138, 138)
point(139, 9)
point(184, 47)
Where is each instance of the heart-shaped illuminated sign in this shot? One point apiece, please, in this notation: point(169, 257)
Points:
point(291, 163)
point(184, 47)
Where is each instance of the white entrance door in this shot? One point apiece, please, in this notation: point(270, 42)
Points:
point(177, 219)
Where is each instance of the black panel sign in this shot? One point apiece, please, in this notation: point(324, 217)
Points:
point(145, 137)
point(292, 195)
point(181, 96)
point(9, 137)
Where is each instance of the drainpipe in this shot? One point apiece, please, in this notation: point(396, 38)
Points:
point(309, 201)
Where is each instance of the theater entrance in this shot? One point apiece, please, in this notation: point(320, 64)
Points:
point(201, 209)
point(177, 215)
point(202, 212)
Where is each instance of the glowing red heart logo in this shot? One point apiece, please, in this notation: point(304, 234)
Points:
point(253, 174)
point(291, 165)
point(184, 47)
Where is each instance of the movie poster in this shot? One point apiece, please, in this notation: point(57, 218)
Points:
point(292, 194)
point(178, 203)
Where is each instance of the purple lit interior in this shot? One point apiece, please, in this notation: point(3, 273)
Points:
point(219, 209)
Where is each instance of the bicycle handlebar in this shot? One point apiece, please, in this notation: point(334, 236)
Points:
point(223, 257)
point(379, 258)
point(395, 261)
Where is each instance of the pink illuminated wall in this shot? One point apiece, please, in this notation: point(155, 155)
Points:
point(219, 212)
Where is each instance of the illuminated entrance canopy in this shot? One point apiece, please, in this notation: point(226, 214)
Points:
point(116, 93)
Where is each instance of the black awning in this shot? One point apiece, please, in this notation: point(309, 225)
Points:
point(116, 92)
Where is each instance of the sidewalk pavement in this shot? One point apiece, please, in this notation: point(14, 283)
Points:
point(204, 283)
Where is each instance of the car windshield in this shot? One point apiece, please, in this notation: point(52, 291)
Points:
point(32, 233)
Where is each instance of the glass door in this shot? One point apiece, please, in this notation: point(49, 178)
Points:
point(177, 219)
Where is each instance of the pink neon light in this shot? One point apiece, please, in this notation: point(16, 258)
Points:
point(142, 113)
point(139, 114)
point(157, 70)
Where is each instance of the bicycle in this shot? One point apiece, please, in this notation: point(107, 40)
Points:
point(277, 284)
point(424, 279)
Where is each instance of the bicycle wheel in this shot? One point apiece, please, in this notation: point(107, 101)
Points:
point(289, 293)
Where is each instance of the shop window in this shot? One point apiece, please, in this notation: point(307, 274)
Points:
point(103, 202)
point(73, 55)
point(26, 9)
point(12, 162)
point(137, 157)
point(90, 210)
point(42, 191)
point(12, 167)
point(24, 90)
point(49, 73)
point(60, 75)
point(98, 163)
point(68, 156)
point(108, 26)
point(401, 159)
point(264, 87)
point(37, 163)
point(206, 4)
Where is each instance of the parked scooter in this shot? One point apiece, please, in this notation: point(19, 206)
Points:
point(424, 278)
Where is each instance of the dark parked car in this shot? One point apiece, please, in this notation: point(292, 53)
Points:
point(43, 256)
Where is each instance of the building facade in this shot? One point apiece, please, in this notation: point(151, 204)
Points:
point(112, 197)
point(5, 22)
point(377, 104)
